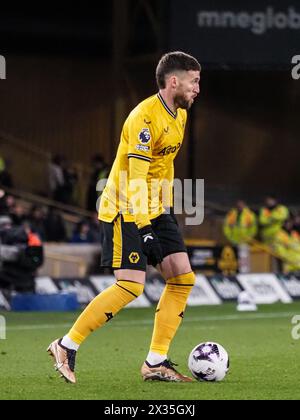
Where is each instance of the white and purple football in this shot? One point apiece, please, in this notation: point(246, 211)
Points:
point(209, 362)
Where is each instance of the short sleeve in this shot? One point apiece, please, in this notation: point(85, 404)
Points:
point(140, 137)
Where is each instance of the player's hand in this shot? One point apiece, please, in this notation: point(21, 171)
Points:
point(151, 246)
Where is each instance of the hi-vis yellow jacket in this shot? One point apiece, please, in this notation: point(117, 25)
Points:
point(271, 221)
point(287, 246)
point(240, 227)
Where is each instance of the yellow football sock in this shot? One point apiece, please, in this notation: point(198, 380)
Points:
point(103, 308)
point(170, 311)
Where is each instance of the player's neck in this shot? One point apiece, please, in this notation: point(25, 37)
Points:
point(169, 100)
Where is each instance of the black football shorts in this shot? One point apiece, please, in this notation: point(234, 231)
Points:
point(122, 247)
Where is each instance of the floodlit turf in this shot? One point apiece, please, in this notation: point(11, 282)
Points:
point(264, 357)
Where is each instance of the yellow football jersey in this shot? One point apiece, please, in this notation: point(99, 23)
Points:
point(154, 134)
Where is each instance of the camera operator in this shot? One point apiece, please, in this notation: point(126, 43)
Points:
point(21, 253)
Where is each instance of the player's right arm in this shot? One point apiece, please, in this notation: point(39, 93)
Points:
point(138, 191)
point(140, 133)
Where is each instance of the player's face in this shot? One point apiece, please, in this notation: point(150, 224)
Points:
point(188, 87)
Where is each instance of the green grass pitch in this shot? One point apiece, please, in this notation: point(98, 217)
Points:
point(263, 355)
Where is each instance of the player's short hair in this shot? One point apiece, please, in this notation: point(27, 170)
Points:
point(172, 62)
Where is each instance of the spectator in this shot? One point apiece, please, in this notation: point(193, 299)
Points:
point(100, 171)
point(37, 221)
point(7, 202)
point(69, 185)
point(23, 255)
point(240, 225)
point(18, 214)
point(5, 223)
point(286, 244)
point(55, 230)
point(56, 178)
point(82, 234)
point(271, 219)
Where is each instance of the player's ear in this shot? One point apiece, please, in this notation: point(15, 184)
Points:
point(173, 81)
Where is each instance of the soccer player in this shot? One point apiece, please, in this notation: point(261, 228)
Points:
point(141, 231)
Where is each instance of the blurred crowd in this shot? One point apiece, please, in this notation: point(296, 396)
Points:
point(48, 223)
point(273, 224)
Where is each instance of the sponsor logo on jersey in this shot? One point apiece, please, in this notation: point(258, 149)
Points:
point(170, 149)
point(145, 136)
point(142, 148)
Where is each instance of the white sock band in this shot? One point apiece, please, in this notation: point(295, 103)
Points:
point(70, 344)
point(155, 358)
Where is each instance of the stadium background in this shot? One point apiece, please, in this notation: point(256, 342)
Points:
point(74, 73)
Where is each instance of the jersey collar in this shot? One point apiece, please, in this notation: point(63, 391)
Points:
point(166, 106)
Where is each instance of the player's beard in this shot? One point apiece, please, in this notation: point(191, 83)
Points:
point(181, 102)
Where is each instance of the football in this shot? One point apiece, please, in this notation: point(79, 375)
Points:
point(209, 362)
